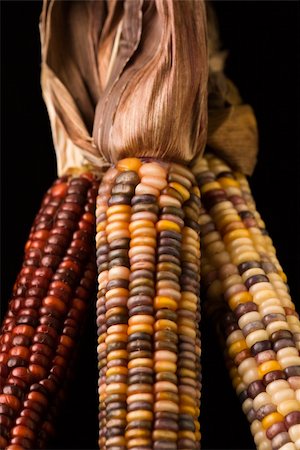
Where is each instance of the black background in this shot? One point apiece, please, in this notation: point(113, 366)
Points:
point(263, 39)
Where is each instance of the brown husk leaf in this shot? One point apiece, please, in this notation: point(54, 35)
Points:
point(130, 78)
point(232, 128)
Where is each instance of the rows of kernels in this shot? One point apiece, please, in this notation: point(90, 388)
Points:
point(269, 318)
point(153, 182)
point(266, 359)
point(155, 255)
point(245, 392)
point(169, 228)
point(102, 252)
point(232, 338)
point(189, 370)
point(271, 264)
point(33, 252)
point(47, 319)
point(264, 291)
point(272, 269)
point(140, 398)
point(264, 246)
point(125, 185)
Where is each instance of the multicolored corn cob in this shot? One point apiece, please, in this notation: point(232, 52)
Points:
point(247, 292)
point(148, 257)
point(45, 316)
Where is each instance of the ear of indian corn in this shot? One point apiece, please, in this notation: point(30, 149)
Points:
point(148, 257)
point(47, 311)
point(247, 292)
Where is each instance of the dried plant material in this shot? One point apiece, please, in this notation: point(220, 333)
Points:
point(154, 104)
point(69, 77)
point(238, 121)
point(232, 129)
point(133, 74)
point(141, 64)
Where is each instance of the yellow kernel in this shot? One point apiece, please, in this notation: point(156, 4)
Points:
point(122, 217)
point(185, 434)
point(187, 409)
point(268, 366)
point(181, 189)
point(129, 164)
point(235, 234)
point(140, 362)
point(165, 366)
point(137, 433)
point(164, 324)
point(138, 442)
point(236, 348)
point(101, 226)
point(196, 191)
point(227, 182)
point(117, 354)
point(233, 372)
point(140, 224)
point(116, 441)
point(183, 372)
point(118, 209)
point(187, 399)
point(101, 338)
point(210, 186)
point(141, 319)
point(139, 414)
point(190, 306)
point(116, 292)
point(165, 302)
point(270, 419)
point(189, 232)
point(189, 296)
point(283, 276)
point(228, 218)
point(143, 240)
point(167, 225)
point(236, 381)
point(240, 297)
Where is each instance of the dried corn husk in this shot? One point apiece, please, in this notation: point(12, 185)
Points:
point(232, 129)
point(130, 77)
point(70, 33)
point(141, 64)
